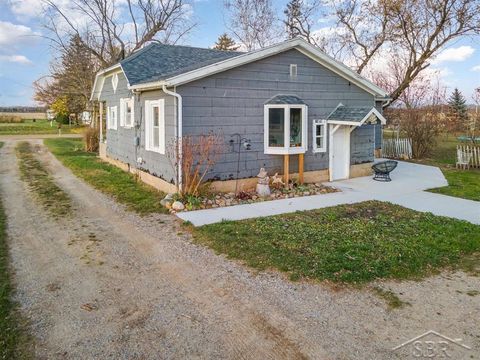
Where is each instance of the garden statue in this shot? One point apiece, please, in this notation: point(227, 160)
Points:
point(277, 181)
point(263, 189)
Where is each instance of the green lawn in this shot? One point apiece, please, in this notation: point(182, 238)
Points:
point(107, 178)
point(350, 243)
point(38, 127)
point(462, 183)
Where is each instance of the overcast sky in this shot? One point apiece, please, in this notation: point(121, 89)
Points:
point(25, 54)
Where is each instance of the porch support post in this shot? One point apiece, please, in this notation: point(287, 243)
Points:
point(286, 168)
point(300, 168)
point(101, 122)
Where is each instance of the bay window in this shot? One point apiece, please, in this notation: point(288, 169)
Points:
point(285, 129)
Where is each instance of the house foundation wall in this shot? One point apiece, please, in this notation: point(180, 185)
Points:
point(229, 185)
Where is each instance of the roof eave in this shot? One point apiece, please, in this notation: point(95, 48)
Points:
point(149, 85)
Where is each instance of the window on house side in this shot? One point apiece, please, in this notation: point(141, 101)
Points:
point(285, 129)
point(126, 112)
point(155, 126)
point(319, 135)
point(112, 117)
point(293, 70)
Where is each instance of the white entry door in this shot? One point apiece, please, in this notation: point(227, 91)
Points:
point(339, 151)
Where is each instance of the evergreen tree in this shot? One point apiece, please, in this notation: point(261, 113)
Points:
point(226, 43)
point(457, 105)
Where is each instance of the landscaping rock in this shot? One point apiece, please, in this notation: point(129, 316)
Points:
point(178, 206)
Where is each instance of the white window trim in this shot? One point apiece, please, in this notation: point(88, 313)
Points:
point(112, 120)
point(149, 104)
point(293, 71)
point(123, 113)
point(114, 82)
point(319, 122)
point(286, 149)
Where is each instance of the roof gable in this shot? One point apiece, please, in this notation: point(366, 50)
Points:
point(245, 58)
point(159, 61)
point(346, 115)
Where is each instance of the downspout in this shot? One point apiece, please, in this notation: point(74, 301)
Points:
point(179, 133)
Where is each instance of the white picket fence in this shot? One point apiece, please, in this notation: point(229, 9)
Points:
point(400, 148)
point(469, 155)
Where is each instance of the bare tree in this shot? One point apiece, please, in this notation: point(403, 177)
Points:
point(300, 19)
point(253, 22)
point(366, 25)
point(111, 30)
point(418, 29)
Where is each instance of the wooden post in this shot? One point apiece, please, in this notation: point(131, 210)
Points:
point(101, 122)
point(300, 168)
point(286, 169)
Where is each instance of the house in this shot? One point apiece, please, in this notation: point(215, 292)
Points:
point(301, 112)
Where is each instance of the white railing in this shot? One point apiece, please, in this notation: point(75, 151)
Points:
point(400, 148)
point(468, 156)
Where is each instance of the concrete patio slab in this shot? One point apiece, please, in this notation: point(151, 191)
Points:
point(406, 189)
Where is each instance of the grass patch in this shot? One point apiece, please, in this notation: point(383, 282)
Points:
point(349, 243)
point(107, 178)
point(52, 197)
point(14, 339)
point(461, 183)
point(30, 127)
point(392, 299)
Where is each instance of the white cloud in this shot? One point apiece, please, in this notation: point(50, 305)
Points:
point(20, 59)
point(476, 68)
point(13, 34)
point(26, 8)
point(460, 53)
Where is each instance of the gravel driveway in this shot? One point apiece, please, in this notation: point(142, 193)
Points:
point(106, 283)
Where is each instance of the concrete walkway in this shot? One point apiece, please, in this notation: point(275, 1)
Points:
point(406, 189)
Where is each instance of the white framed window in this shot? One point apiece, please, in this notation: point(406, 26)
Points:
point(155, 125)
point(319, 131)
point(126, 112)
point(112, 117)
point(285, 129)
point(293, 70)
point(114, 82)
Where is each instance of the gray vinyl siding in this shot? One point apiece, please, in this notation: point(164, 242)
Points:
point(121, 143)
point(233, 102)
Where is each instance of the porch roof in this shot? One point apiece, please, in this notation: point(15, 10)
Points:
point(285, 99)
point(357, 116)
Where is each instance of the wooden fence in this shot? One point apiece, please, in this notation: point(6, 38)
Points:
point(400, 148)
point(470, 153)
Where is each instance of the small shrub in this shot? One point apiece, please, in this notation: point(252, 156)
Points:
point(91, 139)
point(11, 119)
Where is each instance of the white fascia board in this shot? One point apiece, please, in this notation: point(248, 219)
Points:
point(100, 78)
point(149, 86)
point(341, 122)
point(297, 43)
point(377, 114)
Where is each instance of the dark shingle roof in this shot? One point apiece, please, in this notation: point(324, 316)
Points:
point(344, 113)
point(285, 99)
point(158, 61)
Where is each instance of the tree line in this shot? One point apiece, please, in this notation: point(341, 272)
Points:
point(391, 42)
